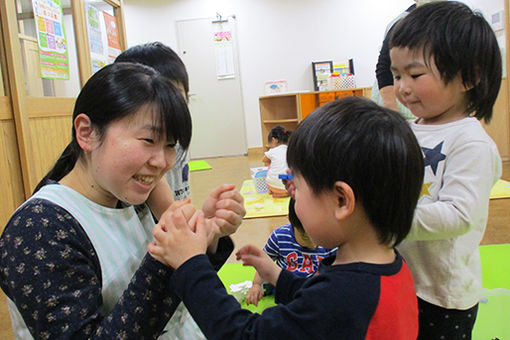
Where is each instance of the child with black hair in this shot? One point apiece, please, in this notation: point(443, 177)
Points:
point(276, 160)
point(293, 250)
point(447, 67)
point(364, 207)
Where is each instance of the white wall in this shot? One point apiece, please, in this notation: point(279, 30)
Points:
point(278, 39)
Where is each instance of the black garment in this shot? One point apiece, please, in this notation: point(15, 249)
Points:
point(383, 69)
point(438, 323)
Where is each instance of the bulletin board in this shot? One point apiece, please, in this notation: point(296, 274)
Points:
point(104, 40)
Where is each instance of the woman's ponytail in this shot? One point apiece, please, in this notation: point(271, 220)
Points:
point(62, 166)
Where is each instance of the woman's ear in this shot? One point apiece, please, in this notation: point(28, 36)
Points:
point(85, 135)
point(345, 200)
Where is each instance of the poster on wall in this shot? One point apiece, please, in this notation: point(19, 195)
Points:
point(51, 39)
point(112, 37)
point(224, 51)
point(95, 39)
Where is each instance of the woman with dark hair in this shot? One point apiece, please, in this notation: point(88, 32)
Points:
point(74, 260)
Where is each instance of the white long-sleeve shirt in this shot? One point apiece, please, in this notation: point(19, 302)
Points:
point(462, 164)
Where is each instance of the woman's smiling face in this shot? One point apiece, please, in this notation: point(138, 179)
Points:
point(130, 159)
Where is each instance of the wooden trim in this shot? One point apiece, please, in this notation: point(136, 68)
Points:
point(30, 15)
point(121, 25)
point(27, 37)
point(81, 35)
point(3, 68)
point(114, 3)
point(17, 90)
point(44, 107)
point(5, 108)
point(82, 45)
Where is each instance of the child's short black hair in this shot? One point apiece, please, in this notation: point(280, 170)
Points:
point(161, 58)
point(293, 218)
point(370, 148)
point(281, 134)
point(460, 41)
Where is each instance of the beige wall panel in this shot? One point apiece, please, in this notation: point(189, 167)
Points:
point(49, 136)
point(499, 127)
point(10, 172)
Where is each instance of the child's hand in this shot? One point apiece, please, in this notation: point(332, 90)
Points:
point(224, 206)
point(184, 204)
point(254, 295)
point(265, 266)
point(175, 242)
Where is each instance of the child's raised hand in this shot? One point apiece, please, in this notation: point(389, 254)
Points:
point(224, 206)
point(256, 257)
point(184, 204)
point(255, 294)
point(175, 242)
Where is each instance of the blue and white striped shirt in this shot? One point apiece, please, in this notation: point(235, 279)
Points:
point(283, 247)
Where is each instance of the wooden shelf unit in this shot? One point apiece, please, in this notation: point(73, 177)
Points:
point(288, 109)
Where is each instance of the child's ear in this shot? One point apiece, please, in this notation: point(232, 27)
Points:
point(85, 135)
point(345, 200)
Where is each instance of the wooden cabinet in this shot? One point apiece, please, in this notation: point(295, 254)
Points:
point(288, 109)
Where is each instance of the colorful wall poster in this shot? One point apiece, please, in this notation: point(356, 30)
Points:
point(224, 51)
point(51, 39)
point(96, 45)
point(94, 30)
point(112, 35)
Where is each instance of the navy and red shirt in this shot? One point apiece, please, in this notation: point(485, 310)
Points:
point(350, 301)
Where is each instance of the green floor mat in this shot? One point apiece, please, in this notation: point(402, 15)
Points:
point(493, 319)
point(236, 273)
point(495, 266)
point(198, 165)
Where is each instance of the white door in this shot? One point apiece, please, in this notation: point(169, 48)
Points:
point(216, 104)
